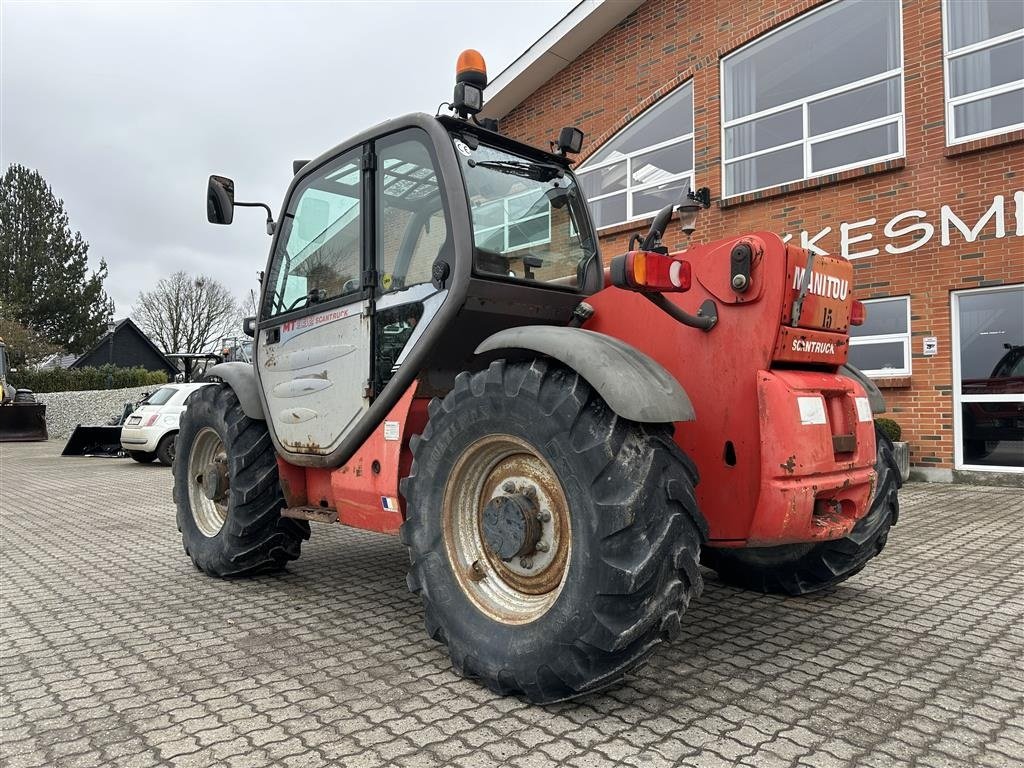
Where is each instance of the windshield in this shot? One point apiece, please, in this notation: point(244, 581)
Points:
point(529, 220)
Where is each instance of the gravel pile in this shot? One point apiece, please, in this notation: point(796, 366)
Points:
point(66, 410)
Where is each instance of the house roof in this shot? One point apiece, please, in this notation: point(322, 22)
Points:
point(119, 325)
point(579, 29)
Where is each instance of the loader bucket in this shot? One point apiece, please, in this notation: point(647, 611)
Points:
point(23, 422)
point(94, 440)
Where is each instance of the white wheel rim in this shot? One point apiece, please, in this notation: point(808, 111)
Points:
point(523, 589)
point(207, 451)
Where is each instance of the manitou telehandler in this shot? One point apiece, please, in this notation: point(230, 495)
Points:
point(438, 353)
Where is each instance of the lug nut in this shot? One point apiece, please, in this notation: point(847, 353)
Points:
point(525, 562)
point(509, 487)
point(531, 492)
point(542, 546)
point(545, 516)
point(476, 571)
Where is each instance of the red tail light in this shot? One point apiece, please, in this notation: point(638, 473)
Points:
point(858, 313)
point(152, 420)
point(649, 271)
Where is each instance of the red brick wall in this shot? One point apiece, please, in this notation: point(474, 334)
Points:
point(667, 42)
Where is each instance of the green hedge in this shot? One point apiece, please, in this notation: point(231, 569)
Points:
point(78, 379)
point(890, 429)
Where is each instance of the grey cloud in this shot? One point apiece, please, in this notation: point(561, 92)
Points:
point(126, 108)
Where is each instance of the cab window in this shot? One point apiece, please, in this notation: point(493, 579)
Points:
point(318, 249)
point(529, 217)
point(411, 225)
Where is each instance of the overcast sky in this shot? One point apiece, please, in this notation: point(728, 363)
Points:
point(126, 108)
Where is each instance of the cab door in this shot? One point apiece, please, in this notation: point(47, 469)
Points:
point(313, 345)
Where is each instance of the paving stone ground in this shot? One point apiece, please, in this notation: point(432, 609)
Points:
point(114, 650)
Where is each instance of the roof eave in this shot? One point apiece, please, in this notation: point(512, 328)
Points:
point(579, 29)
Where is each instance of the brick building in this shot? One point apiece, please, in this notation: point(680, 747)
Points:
point(891, 133)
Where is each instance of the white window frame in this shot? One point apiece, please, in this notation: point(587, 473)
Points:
point(884, 338)
point(631, 188)
point(967, 98)
point(506, 222)
point(959, 398)
point(808, 142)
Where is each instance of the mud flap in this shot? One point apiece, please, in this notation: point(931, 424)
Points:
point(23, 422)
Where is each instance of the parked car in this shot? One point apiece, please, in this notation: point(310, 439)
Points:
point(151, 430)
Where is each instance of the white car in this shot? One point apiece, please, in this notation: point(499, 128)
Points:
point(152, 428)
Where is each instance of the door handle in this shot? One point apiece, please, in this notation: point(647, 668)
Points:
point(273, 335)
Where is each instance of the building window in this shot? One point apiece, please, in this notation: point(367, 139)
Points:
point(984, 44)
point(645, 166)
point(881, 346)
point(517, 221)
point(818, 95)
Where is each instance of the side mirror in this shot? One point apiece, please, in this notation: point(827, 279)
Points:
point(220, 200)
point(249, 327)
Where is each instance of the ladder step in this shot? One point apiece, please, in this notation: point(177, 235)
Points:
point(313, 514)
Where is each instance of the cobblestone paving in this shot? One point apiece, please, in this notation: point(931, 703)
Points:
point(115, 651)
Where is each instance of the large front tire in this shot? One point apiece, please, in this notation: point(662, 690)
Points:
point(227, 492)
point(620, 524)
point(797, 569)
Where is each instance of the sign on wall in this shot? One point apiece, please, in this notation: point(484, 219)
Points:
point(865, 238)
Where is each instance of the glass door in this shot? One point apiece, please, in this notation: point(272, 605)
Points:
point(988, 375)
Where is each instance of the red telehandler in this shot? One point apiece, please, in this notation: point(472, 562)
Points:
point(440, 353)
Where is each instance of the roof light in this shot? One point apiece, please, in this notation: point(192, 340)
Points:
point(470, 81)
point(470, 68)
point(647, 271)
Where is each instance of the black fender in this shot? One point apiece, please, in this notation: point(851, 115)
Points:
point(634, 386)
point(241, 377)
point(875, 397)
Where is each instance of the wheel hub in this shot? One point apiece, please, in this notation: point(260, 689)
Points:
point(511, 526)
point(215, 481)
point(506, 528)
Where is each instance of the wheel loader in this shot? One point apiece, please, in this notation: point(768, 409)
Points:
point(441, 353)
point(22, 417)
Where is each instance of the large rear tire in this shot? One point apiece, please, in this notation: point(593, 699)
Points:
point(227, 492)
point(613, 559)
point(797, 569)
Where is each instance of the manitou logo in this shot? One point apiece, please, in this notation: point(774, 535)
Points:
point(822, 285)
point(816, 347)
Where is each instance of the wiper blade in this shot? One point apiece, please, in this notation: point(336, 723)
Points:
point(528, 170)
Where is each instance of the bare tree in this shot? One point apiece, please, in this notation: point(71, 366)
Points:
point(187, 314)
point(250, 303)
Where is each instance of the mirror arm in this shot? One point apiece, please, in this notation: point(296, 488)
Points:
point(265, 207)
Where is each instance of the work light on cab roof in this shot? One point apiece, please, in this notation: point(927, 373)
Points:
point(470, 81)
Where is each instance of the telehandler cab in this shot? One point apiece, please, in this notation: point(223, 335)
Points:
point(438, 354)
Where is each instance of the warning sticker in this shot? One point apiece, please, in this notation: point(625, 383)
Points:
point(391, 430)
point(863, 409)
point(812, 410)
